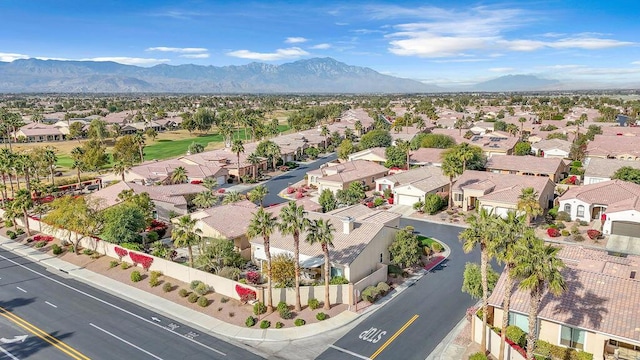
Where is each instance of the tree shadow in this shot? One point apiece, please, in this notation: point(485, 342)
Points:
point(16, 303)
point(33, 344)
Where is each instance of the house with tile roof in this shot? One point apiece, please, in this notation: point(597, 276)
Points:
point(598, 170)
point(426, 157)
point(339, 176)
point(38, 132)
point(413, 185)
point(361, 242)
point(598, 312)
point(552, 148)
point(554, 168)
point(152, 172)
point(374, 154)
point(492, 144)
point(498, 192)
point(614, 147)
point(613, 204)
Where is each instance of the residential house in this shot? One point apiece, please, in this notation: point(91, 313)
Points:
point(553, 148)
point(413, 185)
point(339, 176)
point(352, 116)
point(361, 242)
point(426, 157)
point(152, 172)
point(375, 154)
point(554, 168)
point(597, 313)
point(614, 147)
point(499, 192)
point(598, 169)
point(38, 132)
point(494, 143)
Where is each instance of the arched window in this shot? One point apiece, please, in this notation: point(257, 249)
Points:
point(580, 211)
point(567, 208)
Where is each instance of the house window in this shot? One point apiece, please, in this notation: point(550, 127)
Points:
point(380, 257)
point(373, 179)
point(573, 338)
point(457, 197)
point(567, 208)
point(519, 320)
point(336, 272)
point(580, 211)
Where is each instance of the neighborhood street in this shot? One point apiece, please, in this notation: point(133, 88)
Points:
point(411, 325)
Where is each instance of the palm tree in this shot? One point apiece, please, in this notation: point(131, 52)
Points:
point(254, 160)
point(522, 120)
point(179, 176)
point(77, 154)
point(205, 199)
point(273, 151)
point(263, 224)
point(321, 231)
point(480, 232)
point(465, 153)
point(324, 131)
point(121, 168)
point(6, 158)
point(293, 222)
point(358, 127)
point(451, 167)
point(185, 234)
point(23, 203)
point(405, 147)
point(237, 147)
point(538, 268)
point(529, 204)
point(138, 139)
point(509, 231)
point(50, 159)
point(210, 183)
point(258, 194)
point(40, 209)
point(232, 197)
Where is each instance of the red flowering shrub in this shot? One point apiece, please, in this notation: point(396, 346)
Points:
point(290, 190)
point(141, 259)
point(553, 232)
point(593, 234)
point(120, 252)
point(369, 204)
point(390, 200)
point(46, 238)
point(245, 294)
point(253, 277)
point(299, 195)
point(221, 191)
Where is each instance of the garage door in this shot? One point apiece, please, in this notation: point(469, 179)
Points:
point(625, 228)
point(407, 200)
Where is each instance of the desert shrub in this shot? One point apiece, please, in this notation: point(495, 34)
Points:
point(57, 250)
point(113, 264)
point(583, 223)
point(40, 244)
point(265, 324)
point(282, 305)
point(135, 276)
point(250, 321)
point(19, 231)
point(284, 311)
point(155, 274)
point(577, 237)
point(593, 234)
point(194, 284)
point(11, 235)
point(516, 335)
point(193, 297)
point(229, 272)
point(313, 304)
point(201, 289)
point(125, 266)
point(8, 223)
point(478, 356)
point(299, 322)
point(436, 247)
point(338, 280)
point(183, 292)
point(563, 216)
point(560, 225)
point(321, 316)
point(259, 308)
point(370, 294)
point(167, 287)
point(224, 299)
point(553, 232)
point(203, 301)
point(153, 282)
point(560, 352)
point(152, 236)
point(565, 232)
point(382, 288)
point(279, 325)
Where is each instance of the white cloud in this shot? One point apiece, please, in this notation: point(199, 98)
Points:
point(279, 54)
point(428, 45)
point(502, 69)
point(128, 60)
point(195, 56)
point(636, 63)
point(9, 57)
point(177, 50)
point(588, 43)
point(521, 45)
point(321, 46)
point(295, 40)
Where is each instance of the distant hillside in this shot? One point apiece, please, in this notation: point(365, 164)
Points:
point(317, 75)
point(516, 83)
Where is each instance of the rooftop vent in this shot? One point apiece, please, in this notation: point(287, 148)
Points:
point(633, 274)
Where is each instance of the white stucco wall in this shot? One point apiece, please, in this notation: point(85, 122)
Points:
point(574, 209)
point(628, 215)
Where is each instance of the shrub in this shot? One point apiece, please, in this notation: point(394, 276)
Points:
point(152, 236)
point(203, 301)
point(87, 252)
point(563, 216)
point(593, 234)
point(135, 276)
point(478, 356)
point(299, 322)
point(516, 335)
point(202, 289)
point(583, 223)
point(113, 264)
point(141, 259)
point(313, 304)
point(245, 294)
point(253, 277)
point(120, 252)
point(20, 231)
point(284, 311)
point(232, 314)
point(553, 232)
point(12, 235)
point(321, 316)
point(224, 299)
point(577, 237)
point(125, 266)
point(282, 305)
point(382, 288)
point(265, 324)
point(433, 203)
point(560, 352)
point(259, 308)
point(437, 247)
point(193, 297)
point(279, 325)
point(250, 321)
point(565, 233)
point(194, 284)
point(131, 246)
point(57, 250)
point(338, 280)
point(183, 292)
point(8, 223)
point(153, 282)
point(167, 287)
point(229, 272)
point(370, 294)
point(560, 225)
point(155, 274)
point(40, 244)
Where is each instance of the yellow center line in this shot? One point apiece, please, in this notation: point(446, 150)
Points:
point(73, 353)
point(394, 336)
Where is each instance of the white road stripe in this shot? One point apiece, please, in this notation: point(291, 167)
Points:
point(113, 306)
point(126, 342)
point(10, 355)
point(21, 289)
point(50, 304)
point(349, 352)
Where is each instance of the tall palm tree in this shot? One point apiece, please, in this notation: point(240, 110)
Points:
point(77, 154)
point(451, 167)
point(238, 147)
point(529, 204)
point(405, 147)
point(185, 234)
point(522, 120)
point(179, 176)
point(121, 168)
point(258, 194)
point(539, 269)
point(358, 127)
point(321, 231)
point(232, 197)
point(324, 131)
point(263, 224)
point(210, 183)
point(205, 199)
point(23, 203)
point(6, 157)
point(509, 231)
point(254, 160)
point(138, 139)
point(480, 232)
point(465, 153)
point(292, 222)
point(273, 151)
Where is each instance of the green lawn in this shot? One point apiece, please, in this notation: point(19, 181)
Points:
point(425, 241)
point(65, 161)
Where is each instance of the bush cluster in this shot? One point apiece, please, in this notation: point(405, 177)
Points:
point(11, 234)
point(136, 276)
point(321, 316)
point(192, 298)
point(167, 286)
point(20, 231)
point(546, 349)
point(40, 244)
point(259, 308)
point(57, 249)
point(284, 311)
point(250, 321)
point(313, 304)
point(372, 293)
point(265, 324)
point(183, 292)
point(279, 325)
point(199, 287)
point(113, 264)
point(516, 335)
point(203, 301)
point(338, 280)
point(478, 356)
point(154, 278)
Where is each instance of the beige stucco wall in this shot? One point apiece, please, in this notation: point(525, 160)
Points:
point(367, 261)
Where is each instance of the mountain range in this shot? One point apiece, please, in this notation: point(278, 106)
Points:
point(316, 75)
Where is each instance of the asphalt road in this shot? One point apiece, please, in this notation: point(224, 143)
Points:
point(411, 325)
point(64, 319)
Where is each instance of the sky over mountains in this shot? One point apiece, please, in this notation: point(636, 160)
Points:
point(447, 43)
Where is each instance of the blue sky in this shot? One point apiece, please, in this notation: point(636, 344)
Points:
point(443, 42)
